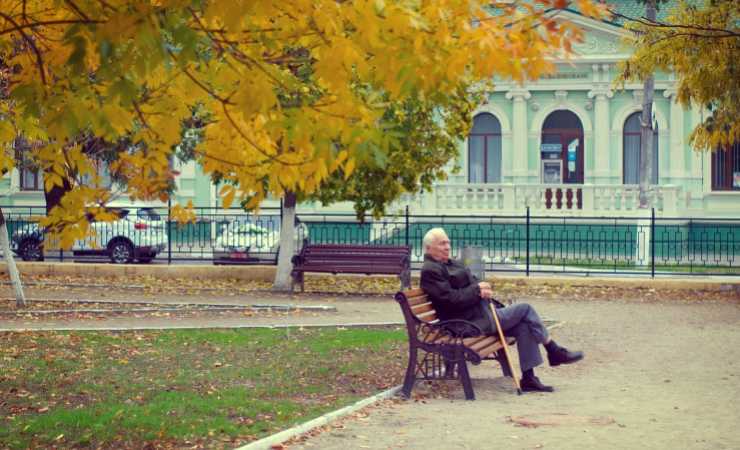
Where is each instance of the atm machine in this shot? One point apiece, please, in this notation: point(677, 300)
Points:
point(552, 164)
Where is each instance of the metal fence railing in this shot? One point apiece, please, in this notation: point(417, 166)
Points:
point(517, 243)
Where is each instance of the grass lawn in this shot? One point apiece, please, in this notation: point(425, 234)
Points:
point(184, 388)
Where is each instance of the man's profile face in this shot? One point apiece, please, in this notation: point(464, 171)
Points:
point(439, 250)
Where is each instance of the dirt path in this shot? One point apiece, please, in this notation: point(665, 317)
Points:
point(656, 376)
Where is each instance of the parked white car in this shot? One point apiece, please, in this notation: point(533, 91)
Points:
point(248, 241)
point(138, 234)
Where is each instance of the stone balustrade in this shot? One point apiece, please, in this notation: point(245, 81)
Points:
point(571, 199)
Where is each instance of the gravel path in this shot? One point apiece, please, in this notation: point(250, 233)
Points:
point(656, 376)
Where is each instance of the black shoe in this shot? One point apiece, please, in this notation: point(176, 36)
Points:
point(563, 356)
point(533, 384)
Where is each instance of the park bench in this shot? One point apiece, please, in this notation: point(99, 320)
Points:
point(353, 259)
point(440, 350)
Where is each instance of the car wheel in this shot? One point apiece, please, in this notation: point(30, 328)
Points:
point(30, 250)
point(121, 252)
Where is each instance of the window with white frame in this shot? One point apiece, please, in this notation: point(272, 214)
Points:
point(484, 150)
point(631, 142)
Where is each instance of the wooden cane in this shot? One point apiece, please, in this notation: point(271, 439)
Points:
point(506, 348)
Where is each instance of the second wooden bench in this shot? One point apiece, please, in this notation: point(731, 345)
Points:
point(350, 258)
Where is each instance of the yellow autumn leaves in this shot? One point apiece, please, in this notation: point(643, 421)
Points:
point(291, 90)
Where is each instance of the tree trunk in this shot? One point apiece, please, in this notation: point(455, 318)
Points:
point(15, 279)
point(646, 131)
point(54, 195)
point(287, 244)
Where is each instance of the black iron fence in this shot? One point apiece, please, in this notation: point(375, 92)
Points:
point(517, 243)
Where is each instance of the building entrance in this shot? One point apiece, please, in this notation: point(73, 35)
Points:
point(561, 152)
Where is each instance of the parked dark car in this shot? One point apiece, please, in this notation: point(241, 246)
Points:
point(28, 243)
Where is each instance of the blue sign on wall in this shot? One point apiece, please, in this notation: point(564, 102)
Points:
point(551, 148)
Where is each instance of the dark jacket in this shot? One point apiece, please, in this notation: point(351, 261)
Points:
point(454, 292)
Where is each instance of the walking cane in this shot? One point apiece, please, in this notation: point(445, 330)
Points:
point(506, 348)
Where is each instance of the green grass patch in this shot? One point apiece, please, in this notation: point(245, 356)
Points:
point(177, 388)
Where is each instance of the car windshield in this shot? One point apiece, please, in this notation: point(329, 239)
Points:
point(148, 214)
point(119, 213)
point(248, 228)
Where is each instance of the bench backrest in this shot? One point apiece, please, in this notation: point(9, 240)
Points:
point(329, 254)
point(416, 306)
point(417, 310)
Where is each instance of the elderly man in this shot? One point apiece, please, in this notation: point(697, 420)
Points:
point(457, 294)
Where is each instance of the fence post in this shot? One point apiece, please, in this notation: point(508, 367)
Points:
point(652, 243)
point(407, 225)
point(527, 238)
point(169, 231)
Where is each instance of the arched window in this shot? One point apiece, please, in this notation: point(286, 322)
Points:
point(631, 152)
point(484, 150)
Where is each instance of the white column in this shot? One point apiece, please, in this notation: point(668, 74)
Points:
point(677, 159)
point(602, 127)
point(519, 148)
point(697, 117)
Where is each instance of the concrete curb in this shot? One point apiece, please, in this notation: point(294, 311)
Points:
point(174, 308)
point(215, 326)
point(269, 441)
point(267, 274)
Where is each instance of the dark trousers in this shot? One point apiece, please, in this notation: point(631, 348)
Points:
point(522, 322)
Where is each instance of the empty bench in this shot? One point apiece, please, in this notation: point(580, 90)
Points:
point(353, 259)
point(440, 350)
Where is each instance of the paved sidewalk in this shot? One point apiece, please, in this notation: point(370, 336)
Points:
point(656, 376)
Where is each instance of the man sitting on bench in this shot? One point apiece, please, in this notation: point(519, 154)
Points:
point(457, 294)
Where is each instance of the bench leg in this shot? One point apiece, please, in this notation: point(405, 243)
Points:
point(405, 278)
point(462, 367)
point(297, 278)
point(410, 378)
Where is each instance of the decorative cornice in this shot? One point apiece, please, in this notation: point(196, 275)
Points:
point(561, 96)
point(637, 96)
point(518, 94)
point(600, 92)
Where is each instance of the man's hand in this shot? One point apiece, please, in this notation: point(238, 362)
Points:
point(486, 291)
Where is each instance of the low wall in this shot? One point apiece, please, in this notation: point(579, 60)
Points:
point(192, 271)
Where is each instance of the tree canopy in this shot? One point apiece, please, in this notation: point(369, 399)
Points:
point(700, 43)
point(291, 92)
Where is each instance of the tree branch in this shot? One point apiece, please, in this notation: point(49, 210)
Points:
point(29, 40)
point(44, 24)
point(657, 24)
